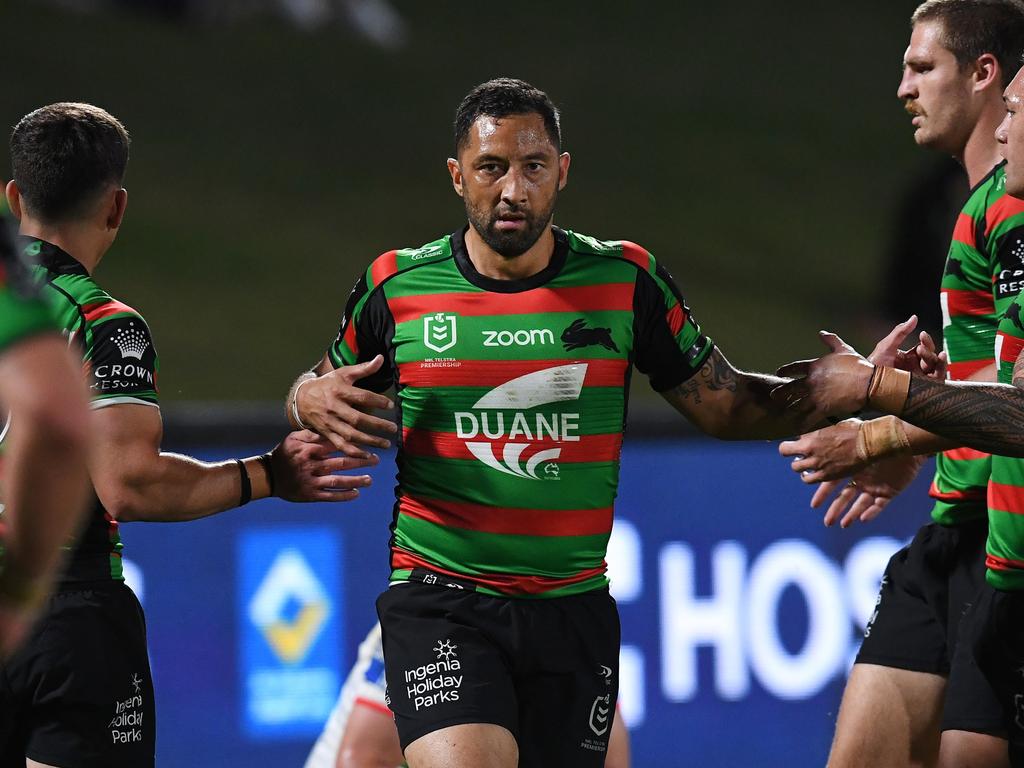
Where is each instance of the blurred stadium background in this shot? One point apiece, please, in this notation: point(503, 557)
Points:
point(758, 150)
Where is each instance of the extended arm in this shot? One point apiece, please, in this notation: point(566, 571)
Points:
point(734, 405)
point(135, 480)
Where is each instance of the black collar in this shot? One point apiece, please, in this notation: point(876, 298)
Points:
point(494, 285)
point(49, 256)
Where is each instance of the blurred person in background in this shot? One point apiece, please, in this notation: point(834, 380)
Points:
point(360, 731)
point(79, 692)
point(915, 696)
point(43, 481)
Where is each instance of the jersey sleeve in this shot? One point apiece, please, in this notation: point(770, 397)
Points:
point(21, 315)
point(669, 346)
point(363, 334)
point(119, 355)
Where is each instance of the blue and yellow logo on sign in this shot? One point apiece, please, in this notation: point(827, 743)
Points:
point(290, 611)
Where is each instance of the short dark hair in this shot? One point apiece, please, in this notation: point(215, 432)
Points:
point(971, 28)
point(63, 155)
point(502, 97)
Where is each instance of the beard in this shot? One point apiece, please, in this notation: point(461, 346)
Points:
point(514, 243)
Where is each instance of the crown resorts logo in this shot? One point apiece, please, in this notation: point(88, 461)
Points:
point(290, 607)
point(502, 414)
point(130, 341)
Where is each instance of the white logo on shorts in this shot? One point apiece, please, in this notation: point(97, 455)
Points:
point(600, 714)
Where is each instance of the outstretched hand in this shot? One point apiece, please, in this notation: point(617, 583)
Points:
point(919, 359)
point(826, 454)
point(868, 492)
point(833, 385)
point(306, 469)
point(335, 408)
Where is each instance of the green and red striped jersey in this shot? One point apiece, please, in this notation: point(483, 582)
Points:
point(23, 312)
point(121, 363)
point(513, 400)
point(1005, 547)
point(984, 273)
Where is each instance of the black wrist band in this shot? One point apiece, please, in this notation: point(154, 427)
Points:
point(269, 469)
point(246, 495)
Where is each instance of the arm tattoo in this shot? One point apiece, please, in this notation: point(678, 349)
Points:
point(720, 375)
point(988, 417)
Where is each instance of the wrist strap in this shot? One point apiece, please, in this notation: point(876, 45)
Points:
point(269, 469)
point(888, 389)
point(882, 437)
point(295, 405)
point(246, 495)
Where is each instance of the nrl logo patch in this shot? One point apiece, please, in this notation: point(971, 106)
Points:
point(440, 331)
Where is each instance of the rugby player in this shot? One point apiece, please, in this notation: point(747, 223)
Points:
point(360, 731)
point(909, 683)
point(986, 417)
point(510, 344)
point(80, 693)
point(44, 477)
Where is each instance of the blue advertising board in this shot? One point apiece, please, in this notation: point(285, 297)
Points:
point(741, 613)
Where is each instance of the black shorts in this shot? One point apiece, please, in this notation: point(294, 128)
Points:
point(996, 639)
point(545, 669)
point(79, 692)
point(927, 588)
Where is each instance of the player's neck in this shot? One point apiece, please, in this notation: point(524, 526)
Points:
point(491, 264)
point(982, 152)
point(72, 238)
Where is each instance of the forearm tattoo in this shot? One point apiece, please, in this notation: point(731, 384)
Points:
point(987, 417)
point(716, 374)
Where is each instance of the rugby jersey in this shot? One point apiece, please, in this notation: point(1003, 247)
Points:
point(983, 274)
point(512, 396)
point(121, 363)
point(1005, 545)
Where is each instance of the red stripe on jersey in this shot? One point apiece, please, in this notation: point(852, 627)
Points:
point(965, 454)
point(350, 337)
point(383, 267)
point(969, 302)
point(634, 253)
point(951, 496)
point(104, 309)
point(994, 563)
point(448, 445)
point(676, 318)
point(1001, 210)
point(376, 706)
point(515, 521)
point(1010, 349)
point(964, 230)
point(493, 373)
point(967, 368)
point(586, 298)
point(500, 582)
point(1005, 498)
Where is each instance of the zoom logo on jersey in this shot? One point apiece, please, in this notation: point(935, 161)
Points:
point(440, 331)
point(504, 414)
point(520, 338)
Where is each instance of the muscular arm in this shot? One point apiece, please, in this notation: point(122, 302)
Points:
point(734, 405)
point(135, 480)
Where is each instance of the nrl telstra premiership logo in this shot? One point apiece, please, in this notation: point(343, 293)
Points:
point(505, 413)
point(439, 332)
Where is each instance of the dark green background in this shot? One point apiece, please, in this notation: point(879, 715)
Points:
point(756, 148)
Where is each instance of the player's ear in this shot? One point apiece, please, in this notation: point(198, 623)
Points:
point(563, 170)
point(13, 195)
point(115, 210)
point(987, 72)
point(456, 173)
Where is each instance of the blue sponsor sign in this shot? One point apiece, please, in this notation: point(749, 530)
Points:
point(290, 613)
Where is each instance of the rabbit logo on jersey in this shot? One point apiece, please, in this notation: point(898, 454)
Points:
point(508, 413)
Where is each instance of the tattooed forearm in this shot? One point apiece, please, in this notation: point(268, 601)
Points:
point(688, 390)
point(719, 373)
point(988, 417)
